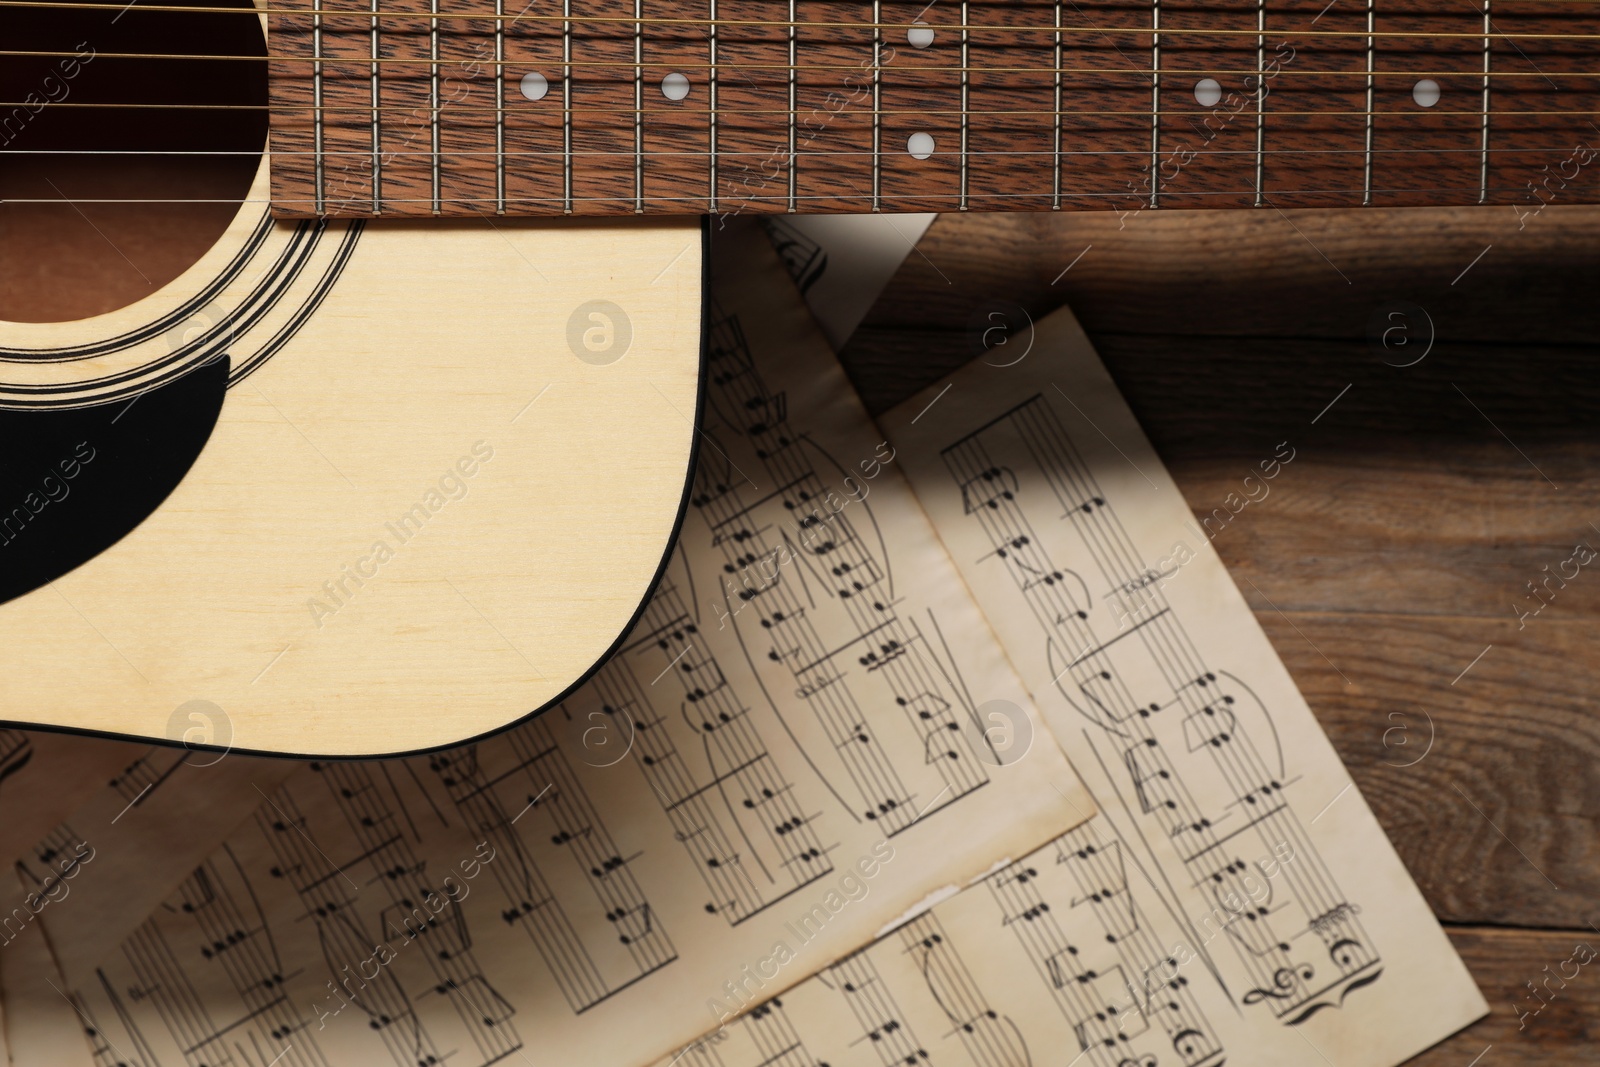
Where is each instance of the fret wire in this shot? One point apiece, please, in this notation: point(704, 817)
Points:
point(712, 116)
point(1261, 100)
point(1366, 181)
point(500, 109)
point(566, 103)
point(599, 65)
point(702, 23)
point(1483, 167)
point(377, 115)
point(1055, 193)
point(638, 108)
point(966, 63)
point(1155, 102)
point(433, 100)
point(794, 161)
point(877, 101)
point(316, 99)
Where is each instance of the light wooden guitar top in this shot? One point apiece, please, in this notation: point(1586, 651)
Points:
point(429, 512)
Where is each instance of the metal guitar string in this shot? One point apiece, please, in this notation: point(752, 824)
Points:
point(668, 64)
point(372, 14)
point(775, 198)
point(367, 109)
point(487, 16)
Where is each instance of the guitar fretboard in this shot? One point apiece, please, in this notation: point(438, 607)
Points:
point(490, 107)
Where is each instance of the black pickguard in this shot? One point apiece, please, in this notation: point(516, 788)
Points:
point(76, 481)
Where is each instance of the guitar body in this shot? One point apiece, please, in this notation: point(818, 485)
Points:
point(446, 464)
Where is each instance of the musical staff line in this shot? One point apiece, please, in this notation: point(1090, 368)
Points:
point(751, 836)
point(1187, 752)
point(228, 933)
point(807, 573)
point(585, 970)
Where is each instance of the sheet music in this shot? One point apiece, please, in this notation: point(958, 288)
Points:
point(41, 1024)
point(1063, 956)
point(1222, 803)
point(784, 757)
point(44, 777)
point(140, 817)
point(160, 813)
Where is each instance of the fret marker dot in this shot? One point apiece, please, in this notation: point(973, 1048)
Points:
point(920, 35)
point(675, 86)
point(1207, 92)
point(920, 145)
point(1425, 92)
point(534, 86)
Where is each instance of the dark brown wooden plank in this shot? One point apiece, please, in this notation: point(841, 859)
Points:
point(1463, 534)
point(1240, 273)
point(1566, 1027)
point(1516, 736)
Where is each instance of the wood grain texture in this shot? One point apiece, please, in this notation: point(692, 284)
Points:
point(1501, 811)
point(1563, 1032)
point(1398, 544)
point(1030, 104)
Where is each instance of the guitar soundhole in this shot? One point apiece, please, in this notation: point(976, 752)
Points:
point(118, 201)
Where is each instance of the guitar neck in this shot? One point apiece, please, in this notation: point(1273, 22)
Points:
point(574, 107)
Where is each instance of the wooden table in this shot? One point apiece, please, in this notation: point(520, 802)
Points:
point(1394, 560)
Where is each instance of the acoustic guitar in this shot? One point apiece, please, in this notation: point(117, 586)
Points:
point(414, 431)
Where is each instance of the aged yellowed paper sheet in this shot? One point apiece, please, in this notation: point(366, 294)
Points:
point(1234, 898)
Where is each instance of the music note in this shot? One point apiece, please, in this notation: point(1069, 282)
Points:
point(611, 863)
point(1150, 777)
point(988, 489)
point(632, 923)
